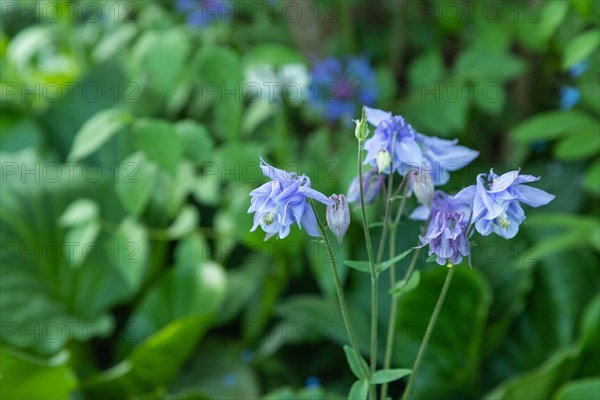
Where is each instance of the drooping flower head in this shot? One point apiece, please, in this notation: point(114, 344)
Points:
point(283, 201)
point(372, 184)
point(203, 12)
point(410, 150)
point(495, 201)
point(340, 87)
point(447, 228)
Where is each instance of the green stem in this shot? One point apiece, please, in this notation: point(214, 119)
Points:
point(339, 288)
point(371, 261)
point(428, 332)
point(389, 345)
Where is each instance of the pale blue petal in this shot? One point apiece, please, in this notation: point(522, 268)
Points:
point(533, 197)
point(375, 116)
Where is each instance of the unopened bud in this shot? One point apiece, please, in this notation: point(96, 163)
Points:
point(362, 127)
point(422, 185)
point(338, 216)
point(383, 160)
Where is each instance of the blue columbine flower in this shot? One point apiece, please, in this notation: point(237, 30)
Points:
point(447, 229)
point(340, 87)
point(569, 97)
point(579, 68)
point(372, 184)
point(283, 201)
point(202, 12)
point(495, 201)
point(411, 150)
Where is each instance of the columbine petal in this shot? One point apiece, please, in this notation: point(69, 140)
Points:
point(533, 197)
point(376, 116)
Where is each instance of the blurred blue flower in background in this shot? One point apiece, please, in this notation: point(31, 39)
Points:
point(312, 382)
point(569, 97)
point(341, 87)
point(247, 355)
point(579, 68)
point(202, 12)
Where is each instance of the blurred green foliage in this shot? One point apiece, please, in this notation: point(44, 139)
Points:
point(128, 152)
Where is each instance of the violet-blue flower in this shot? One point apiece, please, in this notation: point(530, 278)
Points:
point(372, 184)
point(412, 150)
point(202, 12)
point(447, 229)
point(283, 201)
point(495, 201)
point(341, 86)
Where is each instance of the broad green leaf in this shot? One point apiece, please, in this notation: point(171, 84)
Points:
point(389, 375)
point(196, 289)
point(552, 15)
point(158, 140)
point(583, 389)
point(273, 54)
point(221, 71)
point(403, 287)
point(135, 181)
point(427, 69)
point(26, 377)
point(478, 64)
point(186, 221)
point(550, 125)
point(580, 48)
point(581, 144)
point(357, 364)
point(78, 239)
point(79, 212)
point(97, 131)
point(197, 143)
point(159, 57)
point(385, 265)
point(359, 390)
point(129, 250)
point(362, 266)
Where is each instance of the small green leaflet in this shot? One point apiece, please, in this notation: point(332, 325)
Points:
point(359, 390)
point(402, 286)
point(389, 375)
point(356, 362)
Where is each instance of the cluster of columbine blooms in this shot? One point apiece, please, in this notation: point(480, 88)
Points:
point(492, 205)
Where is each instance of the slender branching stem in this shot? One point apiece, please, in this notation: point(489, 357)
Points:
point(428, 332)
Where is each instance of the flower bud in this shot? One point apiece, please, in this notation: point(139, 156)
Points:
point(362, 128)
point(383, 160)
point(338, 216)
point(422, 185)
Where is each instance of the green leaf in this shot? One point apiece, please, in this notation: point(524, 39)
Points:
point(135, 181)
point(362, 266)
point(427, 69)
point(592, 178)
point(26, 377)
point(159, 58)
point(79, 212)
point(197, 143)
point(273, 54)
point(385, 265)
point(359, 390)
point(552, 15)
point(581, 144)
point(97, 131)
point(584, 389)
point(480, 64)
point(357, 364)
point(389, 375)
point(580, 48)
point(186, 222)
point(221, 69)
point(550, 125)
point(403, 287)
point(158, 140)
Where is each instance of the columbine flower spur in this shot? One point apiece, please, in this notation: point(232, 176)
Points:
point(495, 201)
point(283, 201)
